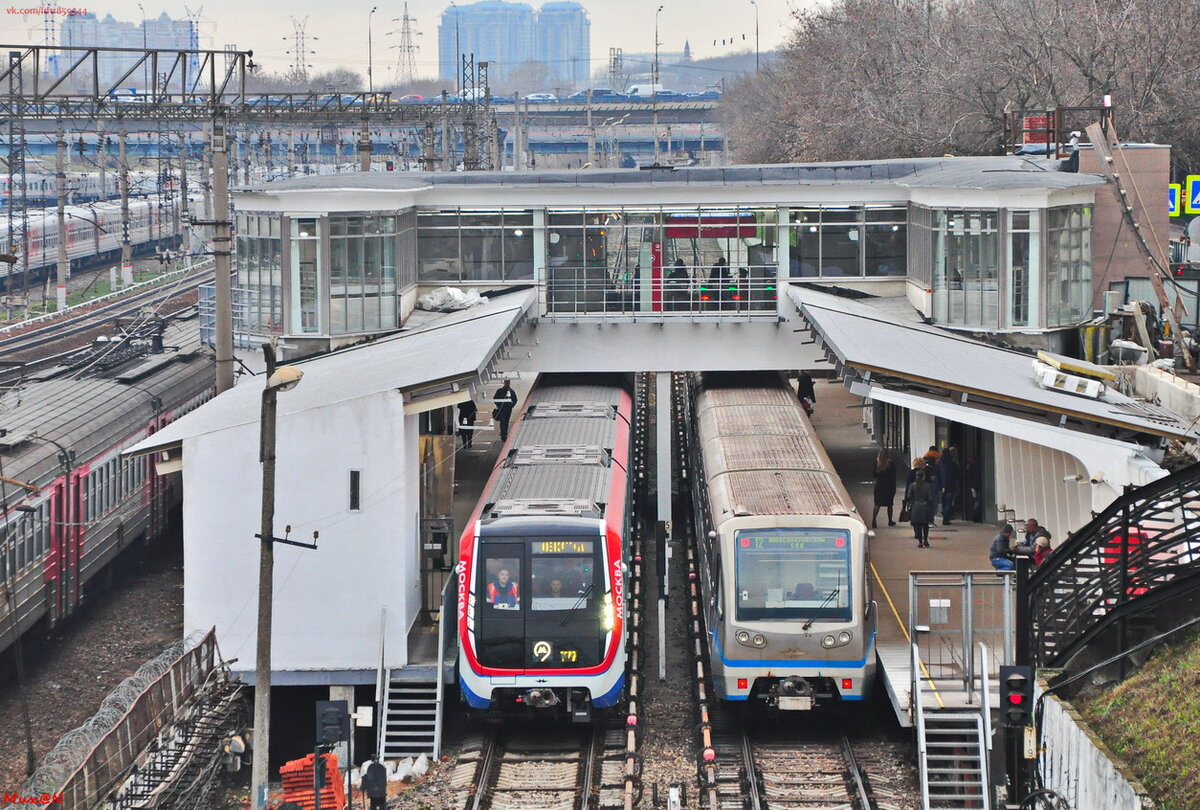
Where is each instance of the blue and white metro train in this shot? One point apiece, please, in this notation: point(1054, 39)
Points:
point(783, 552)
point(541, 569)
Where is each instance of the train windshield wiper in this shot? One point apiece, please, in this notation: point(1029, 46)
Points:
point(829, 598)
point(579, 602)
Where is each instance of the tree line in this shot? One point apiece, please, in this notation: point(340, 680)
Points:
point(874, 79)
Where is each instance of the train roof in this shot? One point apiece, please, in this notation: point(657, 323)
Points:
point(91, 414)
point(761, 455)
point(561, 451)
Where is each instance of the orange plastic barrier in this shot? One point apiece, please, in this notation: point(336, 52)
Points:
point(298, 786)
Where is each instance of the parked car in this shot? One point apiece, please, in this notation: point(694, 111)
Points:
point(598, 94)
point(669, 95)
point(411, 98)
point(541, 97)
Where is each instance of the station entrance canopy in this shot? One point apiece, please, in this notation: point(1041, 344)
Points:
point(432, 365)
point(930, 371)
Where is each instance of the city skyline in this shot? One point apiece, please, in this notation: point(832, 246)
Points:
point(342, 37)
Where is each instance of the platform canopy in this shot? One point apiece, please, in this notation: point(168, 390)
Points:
point(431, 364)
point(876, 351)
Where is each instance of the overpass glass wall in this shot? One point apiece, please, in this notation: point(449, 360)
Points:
point(260, 272)
point(836, 241)
point(1002, 269)
point(616, 260)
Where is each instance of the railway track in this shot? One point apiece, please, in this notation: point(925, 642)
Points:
point(542, 769)
point(54, 330)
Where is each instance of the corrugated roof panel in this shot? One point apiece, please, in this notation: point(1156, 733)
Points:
point(761, 453)
point(777, 492)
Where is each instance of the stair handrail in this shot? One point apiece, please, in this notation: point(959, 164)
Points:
point(919, 721)
point(985, 710)
point(381, 684)
point(444, 621)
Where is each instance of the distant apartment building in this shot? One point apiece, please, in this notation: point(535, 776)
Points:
point(507, 35)
point(86, 31)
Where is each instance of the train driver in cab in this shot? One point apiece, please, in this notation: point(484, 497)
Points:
point(504, 592)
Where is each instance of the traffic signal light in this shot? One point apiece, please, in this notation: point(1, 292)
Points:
point(391, 167)
point(1016, 695)
point(333, 721)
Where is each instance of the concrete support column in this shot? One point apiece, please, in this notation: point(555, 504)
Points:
point(922, 432)
point(342, 749)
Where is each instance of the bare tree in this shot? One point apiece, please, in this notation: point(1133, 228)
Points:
point(869, 79)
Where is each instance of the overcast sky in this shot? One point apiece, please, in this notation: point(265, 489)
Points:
point(341, 27)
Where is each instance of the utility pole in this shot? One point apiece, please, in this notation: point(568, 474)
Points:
point(591, 129)
point(447, 166)
point(364, 146)
point(654, 85)
point(185, 218)
point(221, 255)
point(123, 185)
point(60, 175)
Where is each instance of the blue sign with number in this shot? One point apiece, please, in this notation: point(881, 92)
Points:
point(1173, 206)
point(1191, 198)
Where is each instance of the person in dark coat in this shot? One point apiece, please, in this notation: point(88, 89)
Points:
point(467, 411)
point(921, 508)
point(885, 487)
point(504, 400)
point(374, 784)
point(947, 483)
point(718, 285)
point(677, 287)
point(806, 391)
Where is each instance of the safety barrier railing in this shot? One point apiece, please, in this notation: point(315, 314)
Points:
point(1141, 551)
point(574, 294)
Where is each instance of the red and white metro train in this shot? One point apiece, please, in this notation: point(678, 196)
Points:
point(542, 562)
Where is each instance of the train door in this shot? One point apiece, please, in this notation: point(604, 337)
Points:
point(75, 531)
point(501, 634)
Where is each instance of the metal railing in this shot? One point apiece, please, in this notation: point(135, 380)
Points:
point(962, 609)
point(918, 685)
point(1139, 553)
point(571, 293)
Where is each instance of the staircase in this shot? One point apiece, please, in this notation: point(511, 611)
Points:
point(952, 766)
point(410, 719)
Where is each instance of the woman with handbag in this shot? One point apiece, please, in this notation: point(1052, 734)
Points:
point(920, 508)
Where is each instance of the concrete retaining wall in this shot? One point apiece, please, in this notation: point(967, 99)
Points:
point(1077, 765)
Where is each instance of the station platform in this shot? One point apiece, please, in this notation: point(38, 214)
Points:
point(959, 547)
point(955, 549)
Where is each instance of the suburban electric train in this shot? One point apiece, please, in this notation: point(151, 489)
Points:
point(541, 569)
point(69, 501)
point(93, 233)
point(783, 552)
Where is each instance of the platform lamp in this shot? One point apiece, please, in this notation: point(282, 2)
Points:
point(283, 378)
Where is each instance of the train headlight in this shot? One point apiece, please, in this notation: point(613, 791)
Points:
point(607, 614)
point(844, 637)
point(828, 642)
point(759, 640)
point(743, 637)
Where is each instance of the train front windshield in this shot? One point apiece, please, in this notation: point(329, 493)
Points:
point(542, 603)
point(793, 574)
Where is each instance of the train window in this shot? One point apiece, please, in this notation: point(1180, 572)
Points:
point(793, 573)
point(562, 582)
point(502, 589)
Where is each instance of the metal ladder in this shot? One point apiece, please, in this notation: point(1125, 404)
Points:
point(953, 748)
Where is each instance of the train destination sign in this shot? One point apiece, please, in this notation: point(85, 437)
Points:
point(793, 541)
point(563, 547)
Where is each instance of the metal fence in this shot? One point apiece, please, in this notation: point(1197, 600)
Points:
point(115, 751)
point(954, 612)
point(1139, 554)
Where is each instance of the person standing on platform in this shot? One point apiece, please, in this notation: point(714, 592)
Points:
point(467, 411)
point(921, 508)
point(678, 282)
point(947, 483)
point(1000, 553)
point(504, 401)
point(885, 486)
point(374, 784)
point(806, 391)
point(931, 458)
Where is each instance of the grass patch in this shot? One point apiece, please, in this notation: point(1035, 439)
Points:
point(1152, 721)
